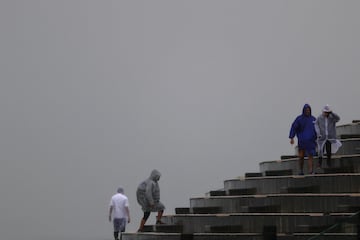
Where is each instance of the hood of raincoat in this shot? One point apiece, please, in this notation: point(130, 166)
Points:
point(304, 108)
point(155, 175)
point(303, 126)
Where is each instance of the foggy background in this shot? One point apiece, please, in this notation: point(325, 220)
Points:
point(96, 94)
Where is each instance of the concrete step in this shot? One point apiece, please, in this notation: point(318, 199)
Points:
point(194, 236)
point(315, 236)
point(294, 203)
point(149, 228)
point(328, 183)
point(337, 161)
point(254, 174)
point(337, 228)
point(347, 136)
point(224, 229)
point(241, 191)
point(317, 229)
point(235, 236)
point(352, 128)
point(182, 210)
point(353, 208)
point(168, 228)
point(345, 169)
point(283, 172)
point(284, 157)
point(354, 219)
point(150, 236)
point(206, 210)
point(253, 222)
point(262, 209)
point(349, 146)
point(301, 189)
point(218, 193)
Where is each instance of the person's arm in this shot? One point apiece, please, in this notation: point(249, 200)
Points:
point(128, 213)
point(293, 130)
point(335, 116)
point(317, 128)
point(149, 194)
point(110, 211)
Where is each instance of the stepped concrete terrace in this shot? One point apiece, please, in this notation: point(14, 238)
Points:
point(280, 203)
point(276, 203)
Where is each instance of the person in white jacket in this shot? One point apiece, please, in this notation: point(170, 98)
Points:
point(119, 212)
point(325, 127)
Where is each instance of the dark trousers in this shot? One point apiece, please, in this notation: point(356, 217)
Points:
point(327, 146)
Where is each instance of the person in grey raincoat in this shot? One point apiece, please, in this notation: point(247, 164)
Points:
point(148, 196)
point(326, 134)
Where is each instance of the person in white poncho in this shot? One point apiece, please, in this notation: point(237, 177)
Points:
point(326, 134)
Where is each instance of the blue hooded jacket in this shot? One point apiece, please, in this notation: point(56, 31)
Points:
point(303, 127)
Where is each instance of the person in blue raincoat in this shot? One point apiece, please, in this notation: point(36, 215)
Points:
point(303, 128)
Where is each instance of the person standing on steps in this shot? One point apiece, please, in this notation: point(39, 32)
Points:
point(148, 197)
point(303, 128)
point(325, 126)
point(119, 210)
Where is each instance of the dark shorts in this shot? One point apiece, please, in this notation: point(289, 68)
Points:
point(119, 224)
point(309, 146)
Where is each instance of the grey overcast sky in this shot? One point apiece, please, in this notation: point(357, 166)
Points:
point(95, 94)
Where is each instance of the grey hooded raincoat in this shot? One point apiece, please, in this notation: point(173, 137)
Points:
point(148, 193)
point(326, 131)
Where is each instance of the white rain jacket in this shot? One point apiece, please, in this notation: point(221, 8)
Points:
point(327, 131)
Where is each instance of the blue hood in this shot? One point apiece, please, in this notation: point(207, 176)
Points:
point(305, 107)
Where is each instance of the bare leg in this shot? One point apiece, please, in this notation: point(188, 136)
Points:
point(159, 216)
point(301, 161)
point(142, 224)
point(310, 164)
point(143, 221)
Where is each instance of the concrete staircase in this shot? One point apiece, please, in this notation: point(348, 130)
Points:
point(275, 203)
